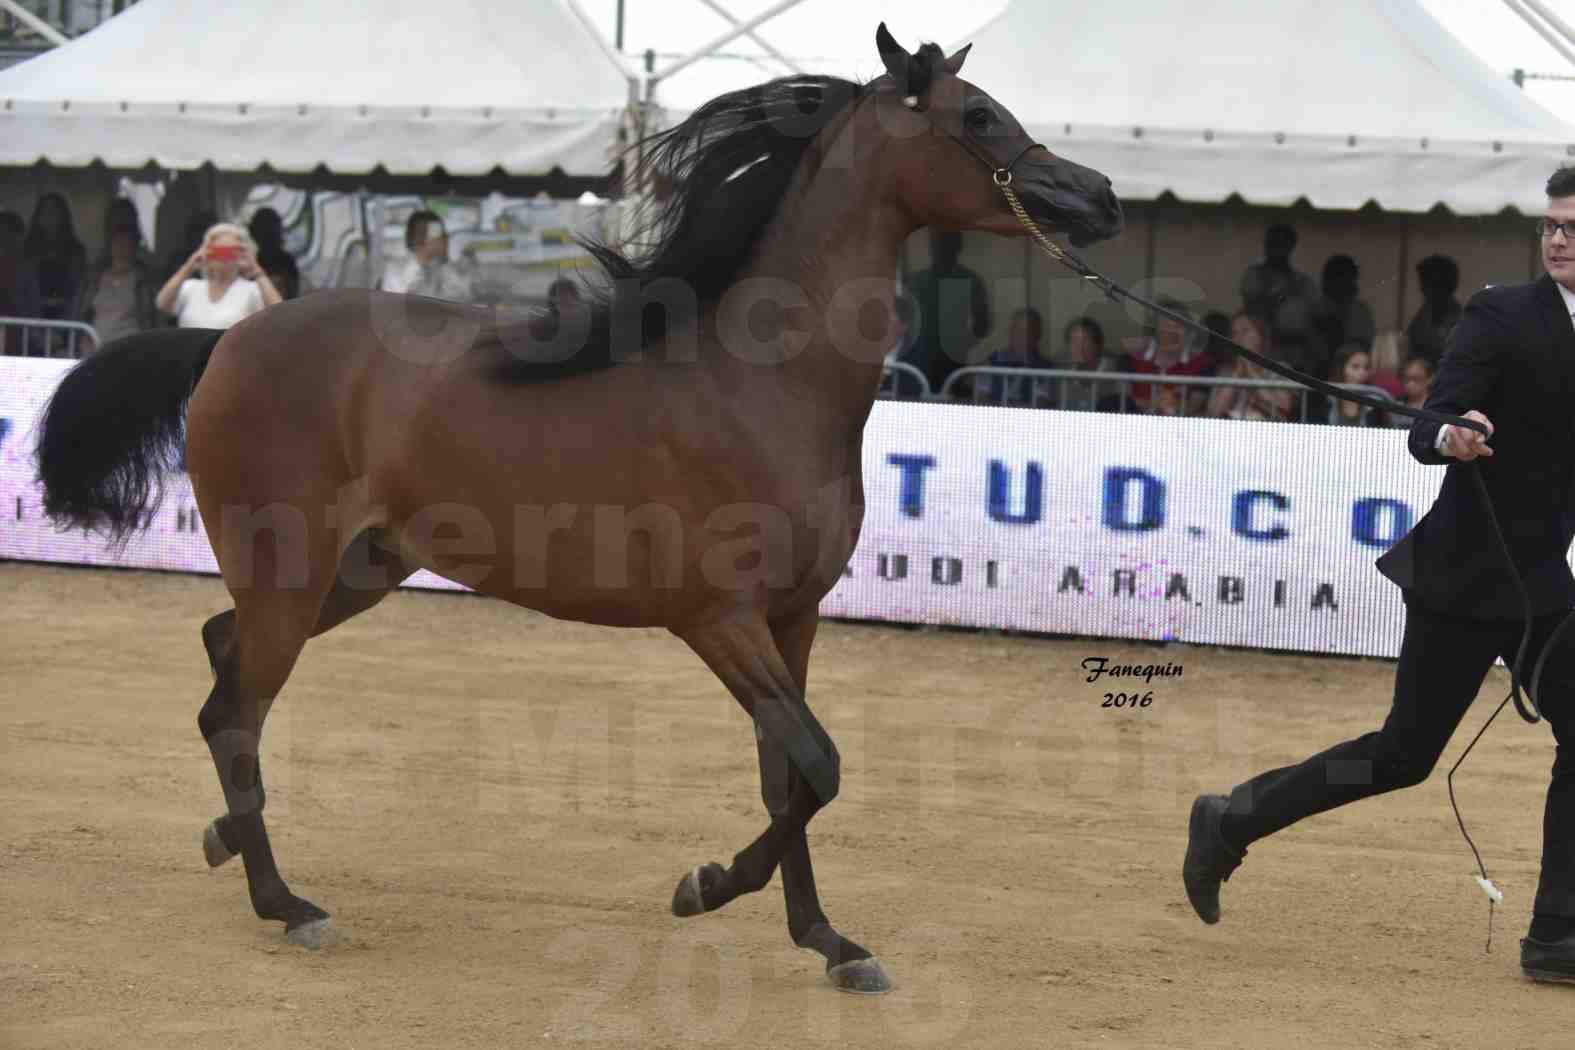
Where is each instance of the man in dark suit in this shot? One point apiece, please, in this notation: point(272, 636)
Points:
point(1511, 366)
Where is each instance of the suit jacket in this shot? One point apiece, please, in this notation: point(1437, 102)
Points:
point(1511, 357)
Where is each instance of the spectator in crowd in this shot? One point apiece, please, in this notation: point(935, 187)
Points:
point(904, 326)
point(1417, 373)
point(1084, 340)
point(1342, 315)
point(954, 310)
point(56, 256)
point(1239, 402)
point(18, 287)
point(191, 240)
point(267, 230)
point(1428, 332)
point(1388, 357)
point(1218, 323)
point(1248, 330)
point(122, 215)
point(1021, 351)
point(232, 286)
point(1353, 365)
point(1298, 351)
point(1172, 349)
point(117, 297)
point(1284, 297)
point(426, 270)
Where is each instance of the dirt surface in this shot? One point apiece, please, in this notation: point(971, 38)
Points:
point(496, 807)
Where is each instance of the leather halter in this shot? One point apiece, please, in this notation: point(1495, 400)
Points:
point(1001, 174)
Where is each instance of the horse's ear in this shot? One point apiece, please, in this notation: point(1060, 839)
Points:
point(954, 64)
point(893, 56)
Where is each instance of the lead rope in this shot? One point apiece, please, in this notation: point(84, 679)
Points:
point(1528, 709)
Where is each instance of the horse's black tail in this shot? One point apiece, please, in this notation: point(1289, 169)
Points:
point(115, 424)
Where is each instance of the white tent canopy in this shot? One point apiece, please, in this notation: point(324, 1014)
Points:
point(408, 85)
point(1339, 101)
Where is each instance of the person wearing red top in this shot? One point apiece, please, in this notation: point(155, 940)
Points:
point(1172, 350)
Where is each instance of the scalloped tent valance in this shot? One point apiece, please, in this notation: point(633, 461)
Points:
point(468, 86)
point(1339, 101)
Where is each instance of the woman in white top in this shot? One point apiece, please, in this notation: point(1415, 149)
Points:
point(232, 285)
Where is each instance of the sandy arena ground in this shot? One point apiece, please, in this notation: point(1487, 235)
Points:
point(496, 806)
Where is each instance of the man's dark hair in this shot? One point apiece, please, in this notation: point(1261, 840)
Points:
point(1562, 182)
point(417, 224)
point(1439, 271)
point(267, 229)
point(1095, 331)
point(1280, 233)
point(1338, 266)
point(1420, 359)
point(1036, 322)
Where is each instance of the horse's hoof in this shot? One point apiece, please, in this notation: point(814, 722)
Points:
point(213, 847)
point(860, 977)
point(687, 898)
point(314, 934)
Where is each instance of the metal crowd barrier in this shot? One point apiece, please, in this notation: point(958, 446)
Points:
point(1066, 388)
point(36, 337)
point(902, 381)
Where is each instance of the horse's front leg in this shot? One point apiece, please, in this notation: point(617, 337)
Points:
point(765, 669)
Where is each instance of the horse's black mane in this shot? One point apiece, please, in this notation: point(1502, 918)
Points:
point(724, 169)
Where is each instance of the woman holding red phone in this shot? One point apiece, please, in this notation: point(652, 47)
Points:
point(232, 285)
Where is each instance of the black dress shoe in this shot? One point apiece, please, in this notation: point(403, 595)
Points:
point(1209, 860)
point(1548, 960)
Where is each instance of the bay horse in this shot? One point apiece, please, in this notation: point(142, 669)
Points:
point(682, 451)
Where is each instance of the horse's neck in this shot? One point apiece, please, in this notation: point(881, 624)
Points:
point(830, 237)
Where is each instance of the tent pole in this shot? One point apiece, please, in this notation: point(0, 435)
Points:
point(773, 52)
point(1546, 32)
point(613, 53)
point(726, 38)
point(33, 22)
point(1563, 28)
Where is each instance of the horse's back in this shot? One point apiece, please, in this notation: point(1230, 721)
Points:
point(283, 412)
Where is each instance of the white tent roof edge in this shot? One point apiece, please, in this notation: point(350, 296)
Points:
point(364, 85)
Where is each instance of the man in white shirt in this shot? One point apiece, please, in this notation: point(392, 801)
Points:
point(426, 270)
point(1510, 365)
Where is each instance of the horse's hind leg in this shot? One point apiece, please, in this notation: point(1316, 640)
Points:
point(270, 628)
point(799, 770)
point(280, 600)
point(367, 574)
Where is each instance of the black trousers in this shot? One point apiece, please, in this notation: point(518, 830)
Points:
point(1443, 661)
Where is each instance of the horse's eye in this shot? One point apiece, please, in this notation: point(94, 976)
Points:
point(978, 118)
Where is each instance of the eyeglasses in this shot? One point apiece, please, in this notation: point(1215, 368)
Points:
point(1547, 228)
